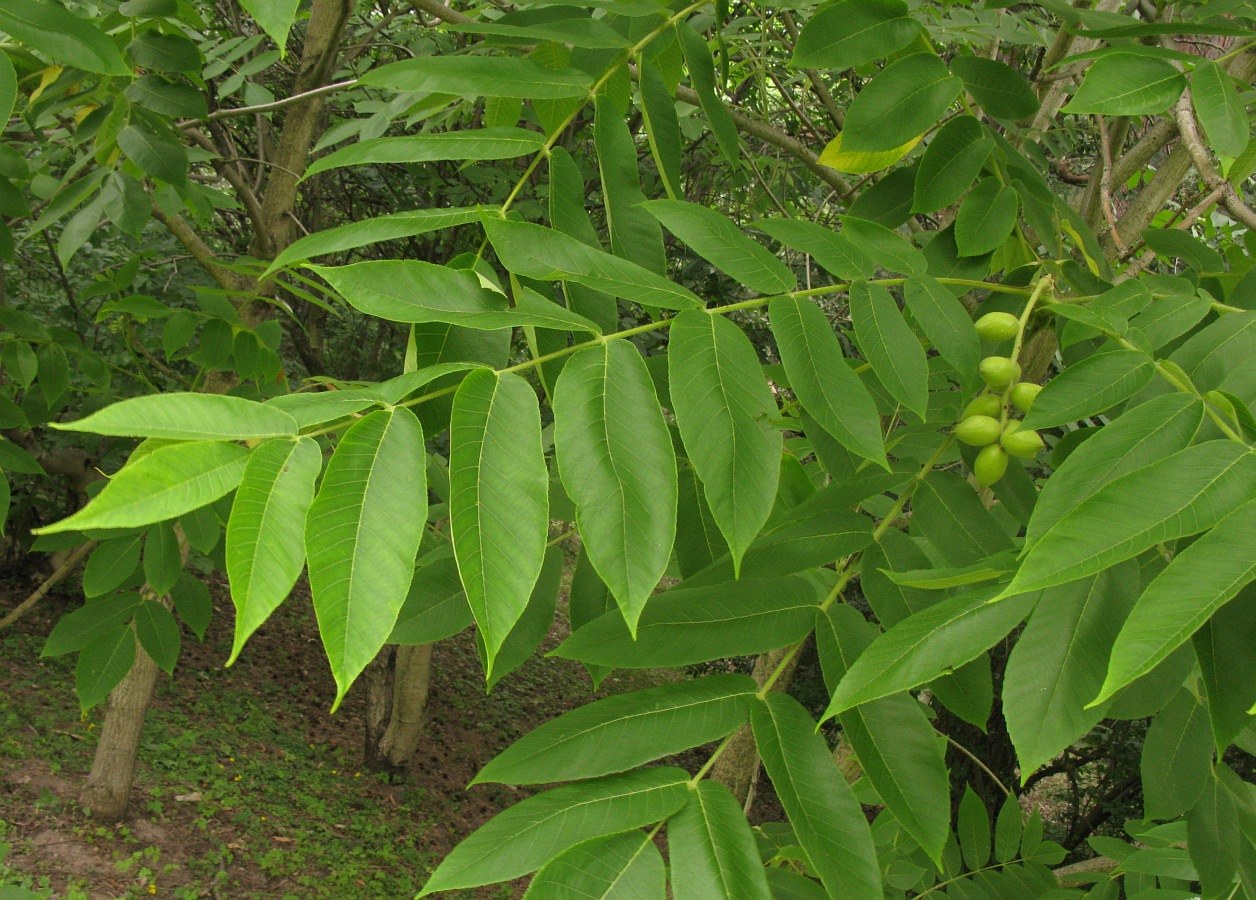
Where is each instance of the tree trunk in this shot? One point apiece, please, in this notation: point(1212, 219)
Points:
point(738, 766)
point(108, 786)
point(396, 703)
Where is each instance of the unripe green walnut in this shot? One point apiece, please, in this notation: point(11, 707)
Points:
point(990, 465)
point(1024, 444)
point(985, 405)
point(978, 431)
point(1024, 394)
point(997, 326)
point(999, 371)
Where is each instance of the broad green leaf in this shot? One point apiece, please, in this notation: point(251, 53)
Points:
point(8, 87)
point(973, 829)
point(192, 602)
point(1092, 386)
point(891, 348)
point(850, 33)
point(470, 77)
point(691, 625)
point(1001, 90)
point(946, 324)
point(635, 234)
point(896, 745)
point(724, 409)
point(111, 564)
point(1219, 109)
point(102, 664)
point(319, 407)
point(162, 484)
point(187, 417)
point(1213, 836)
point(498, 499)
point(1173, 497)
point(1057, 665)
point(158, 634)
point(1177, 757)
point(265, 547)
point(1145, 434)
point(77, 629)
point(701, 69)
point(827, 819)
point(986, 217)
point(884, 247)
point(1226, 649)
point(951, 162)
point(162, 560)
point(362, 534)
point(625, 731)
point(435, 608)
point(720, 242)
point(711, 849)
point(469, 144)
point(1127, 84)
point(175, 99)
point(698, 539)
point(568, 214)
point(533, 625)
point(1172, 242)
point(1168, 318)
point(62, 36)
point(1199, 580)
point(529, 834)
point(1008, 828)
point(274, 16)
point(154, 152)
point(617, 462)
point(818, 374)
point(580, 31)
point(902, 101)
point(394, 390)
point(939, 638)
point(662, 127)
point(625, 866)
point(391, 227)
point(533, 251)
point(834, 252)
point(160, 52)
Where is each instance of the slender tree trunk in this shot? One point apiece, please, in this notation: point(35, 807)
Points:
point(108, 786)
point(396, 705)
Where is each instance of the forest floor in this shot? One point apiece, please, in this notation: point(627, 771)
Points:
point(247, 787)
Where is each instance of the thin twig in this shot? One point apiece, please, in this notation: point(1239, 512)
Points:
point(1105, 183)
point(70, 564)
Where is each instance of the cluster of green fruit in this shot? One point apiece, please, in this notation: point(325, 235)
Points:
point(985, 423)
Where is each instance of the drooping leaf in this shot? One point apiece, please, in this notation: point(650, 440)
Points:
point(1127, 84)
point(499, 498)
point(1092, 386)
point(615, 867)
point(986, 217)
point(102, 664)
point(77, 629)
point(265, 534)
point(616, 459)
point(1214, 837)
point(155, 152)
point(158, 634)
point(160, 52)
point(533, 251)
point(470, 77)
point(1177, 757)
point(533, 625)
point(974, 830)
point(362, 534)
point(1173, 497)
point(940, 637)
point(821, 806)
point(436, 606)
point(887, 249)
point(701, 68)
point(712, 850)
point(319, 407)
point(162, 559)
point(897, 748)
point(890, 346)
point(1219, 109)
point(274, 16)
point(635, 234)
point(471, 144)
point(724, 408)
point(1183, 597)
point(945, 323)
point(1057, 664)
point(833, 251)
point(187, 417)
point(62, 36)
point(625, 731)
point(162, 484)
point(724, 245)
point(111, 564)
point(1001, 90)
point(529, 834)
point(850, 33)
point(901, 102)
point(828, 388)
point(690, 625)
point(662, 127)
point(951, 162)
